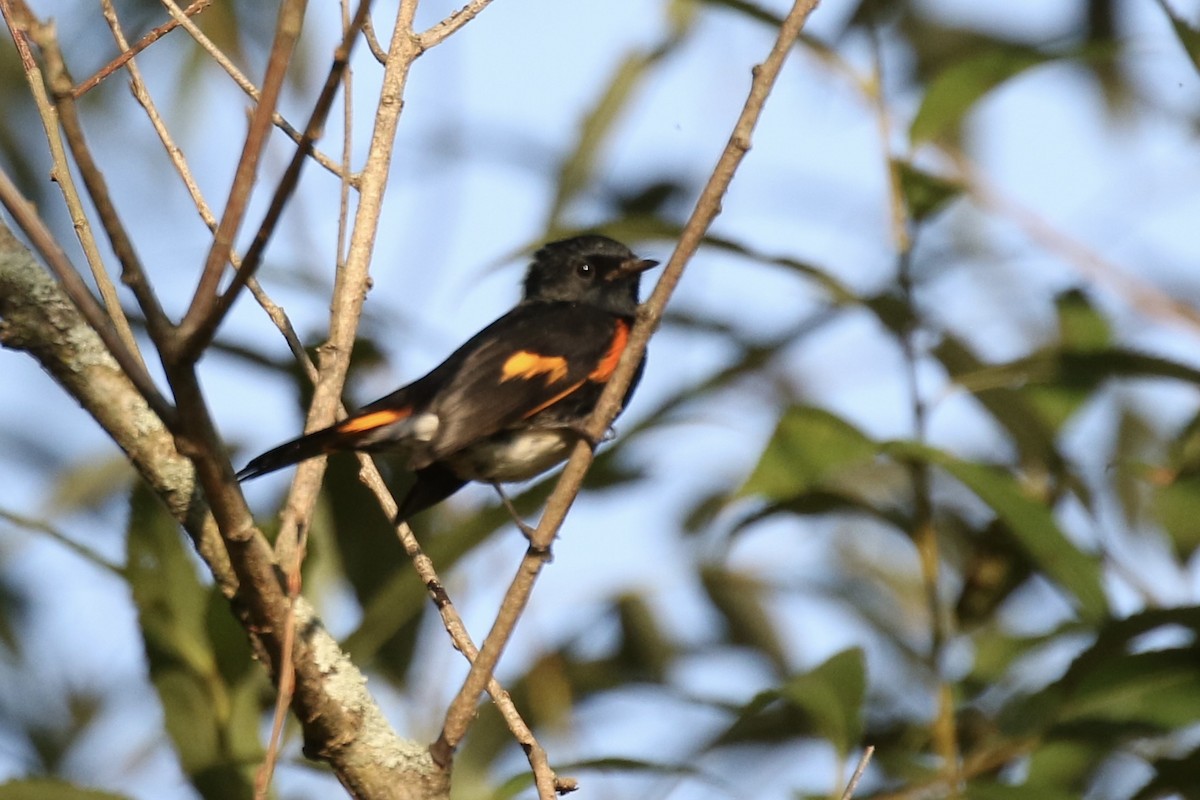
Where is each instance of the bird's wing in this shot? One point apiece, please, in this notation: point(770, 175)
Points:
point(526, 361)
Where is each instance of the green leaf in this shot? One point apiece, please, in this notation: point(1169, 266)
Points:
point(825, 701)
point(738, 599)
point(809, 448)
point(51, 789)
point(173, 613)
point(1028, 428)
point(1062, 762)
point(957, 88)
point(1177, 504)
point(1081, 327)
point(1112, 690)
point(924, 193)
point(1158, 688)
point(1030, 521)
point(576, 172)
point(1189, 37)
point(1174, 777)
point(832, 695)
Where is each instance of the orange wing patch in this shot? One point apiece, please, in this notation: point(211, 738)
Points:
point(376, 419)
point(608, 364)
point(527, 365)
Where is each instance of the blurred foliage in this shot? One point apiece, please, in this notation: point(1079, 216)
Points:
point(1047, 707)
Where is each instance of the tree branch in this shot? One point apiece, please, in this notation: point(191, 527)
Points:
point(287, 32)
point(462, 709)
point(62, 176)
point(197, 331)
point(128, 52)
point(28, 220)
point(60, 84)
point(340, 721)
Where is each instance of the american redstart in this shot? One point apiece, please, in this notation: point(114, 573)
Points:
point(510, 403)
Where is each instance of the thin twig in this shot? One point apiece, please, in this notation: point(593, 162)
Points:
point(548, 783)
point(133, 273)
point(462, 709)
point(26, 217)
point(61, 174)
point(177, 159)
point(373, 42)
point(199, 332)
point(128, 52)
point(1140, 295)
point(45, 528)
point(447, 27)
point(208, 292)
point(944, 728)
point(861, 769)
point(243, 83)
point(292, 542)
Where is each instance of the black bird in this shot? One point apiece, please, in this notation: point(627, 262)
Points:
point(511, 402)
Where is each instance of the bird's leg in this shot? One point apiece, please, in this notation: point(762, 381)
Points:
point(512, 511)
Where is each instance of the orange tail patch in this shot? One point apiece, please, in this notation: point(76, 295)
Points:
point(373, 420)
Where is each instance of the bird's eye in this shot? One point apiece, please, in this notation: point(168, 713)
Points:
point(585, 270)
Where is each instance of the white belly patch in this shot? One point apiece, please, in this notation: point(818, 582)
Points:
point(518, 456)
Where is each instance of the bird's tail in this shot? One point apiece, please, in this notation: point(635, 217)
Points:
point(314, 444)
point(370, 430)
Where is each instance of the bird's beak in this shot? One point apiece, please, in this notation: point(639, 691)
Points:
point(634, 266)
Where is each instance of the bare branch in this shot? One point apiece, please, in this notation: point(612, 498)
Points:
point(62, 176)
point(373, 42)
point(462, 709)
point(205, 300)
point(447, 27)
point(863, 761)
point(199, 331)
point(133, 274)
point(43, 241)
point(128, 52)
point(244, 83)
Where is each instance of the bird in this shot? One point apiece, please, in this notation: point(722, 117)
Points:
point(513, 401)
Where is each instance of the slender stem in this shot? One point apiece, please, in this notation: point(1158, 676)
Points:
point(451, 24)
point(225, 63)
point(61, 174)
point(462, 709)
point(207, 296)
point(128, 52)
point(204, 326)
point(859, 771)
point(26, 217)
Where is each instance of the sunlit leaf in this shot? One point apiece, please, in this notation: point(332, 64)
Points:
point(832, 695)
point(1030, 521)
point(1081, 328)
point(956, 90)
point(809, 447)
